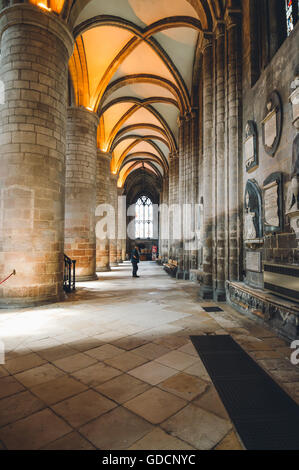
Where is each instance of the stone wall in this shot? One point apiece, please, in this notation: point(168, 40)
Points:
point(281, 247)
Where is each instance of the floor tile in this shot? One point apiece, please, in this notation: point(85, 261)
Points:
point(3, 372)
point(198, 369)
point(131, 342)
point(151, 351)
point(172, 342)
point(159, 440)
point(72, 441)
point(58, 389)
point(20, 364)
point(230, 442)
point(33, 432)
point(199, 428)
point(210, 401)
point(188, 349)
point(84, 407)
point(85, 344)
point(123, 388)
point(75, 362)
point(107, 351)
point(38, 375)
point(9, 386)
point(184, 385)
point(155, 405)
point(18, 406)
point(153, 372)
point(126, 361)
point(119, 429)
point(177, 360)
point(96, 374)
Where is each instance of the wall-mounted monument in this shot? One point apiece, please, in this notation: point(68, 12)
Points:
point(294, 99)
point(253, 234)
point(273, 203)
point(253, 226)
point(292, 202)
point(250, 147)
point(272, 123)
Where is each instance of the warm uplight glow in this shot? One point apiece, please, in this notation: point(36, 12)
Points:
point(41, 5)
point(51, 5)
point(89, 108)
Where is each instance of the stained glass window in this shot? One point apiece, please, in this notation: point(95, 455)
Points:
point(144, 218)
point(291, 14)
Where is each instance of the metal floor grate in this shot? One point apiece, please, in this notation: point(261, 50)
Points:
point(212, 309)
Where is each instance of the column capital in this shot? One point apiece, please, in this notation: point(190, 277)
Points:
point(173, 155)
point(207, 42)
point(114, 177)
point(26, 13)
point(232, 18)
point(219, 30)
point(181, 120)
point(104, 155)
point(193, 113)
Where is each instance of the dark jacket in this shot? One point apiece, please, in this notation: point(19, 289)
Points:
point(135, 258)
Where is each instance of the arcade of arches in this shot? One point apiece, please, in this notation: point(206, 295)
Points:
point(185, 102)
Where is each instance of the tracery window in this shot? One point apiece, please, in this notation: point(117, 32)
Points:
point(144, 226)
point(291, 14)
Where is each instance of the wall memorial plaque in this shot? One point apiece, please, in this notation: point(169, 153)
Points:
point(272, 124)
point(253, 227)
point(273, 203)
point(294, 99)
point(250, 147)
point(254, 261)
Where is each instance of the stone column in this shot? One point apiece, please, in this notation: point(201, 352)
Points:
point(120, 259)
point(113, 236)
point(220, 258)
point(206, 288)
point(234, 161)
point(171, 199)
point(35, 49)
point(194, 179)
point(164, 221)
point(187, 195)
point(80, 198)
point(124, 249)
point(103, 197)
point(181, 185)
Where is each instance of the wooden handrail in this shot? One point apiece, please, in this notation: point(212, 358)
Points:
point(12, 274)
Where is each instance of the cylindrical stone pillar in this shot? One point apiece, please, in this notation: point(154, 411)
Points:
point(80, 197)
point(103, 198)
point(220, 261)
point(121, 225)
point(113, 223)
point(35, 49)
point(206, 288)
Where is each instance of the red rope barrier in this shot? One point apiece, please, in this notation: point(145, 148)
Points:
point(12, 274)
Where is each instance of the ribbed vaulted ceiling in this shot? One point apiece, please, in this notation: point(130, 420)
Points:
point(133, 65)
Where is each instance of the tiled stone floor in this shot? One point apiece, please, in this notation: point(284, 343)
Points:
point(113, 367)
